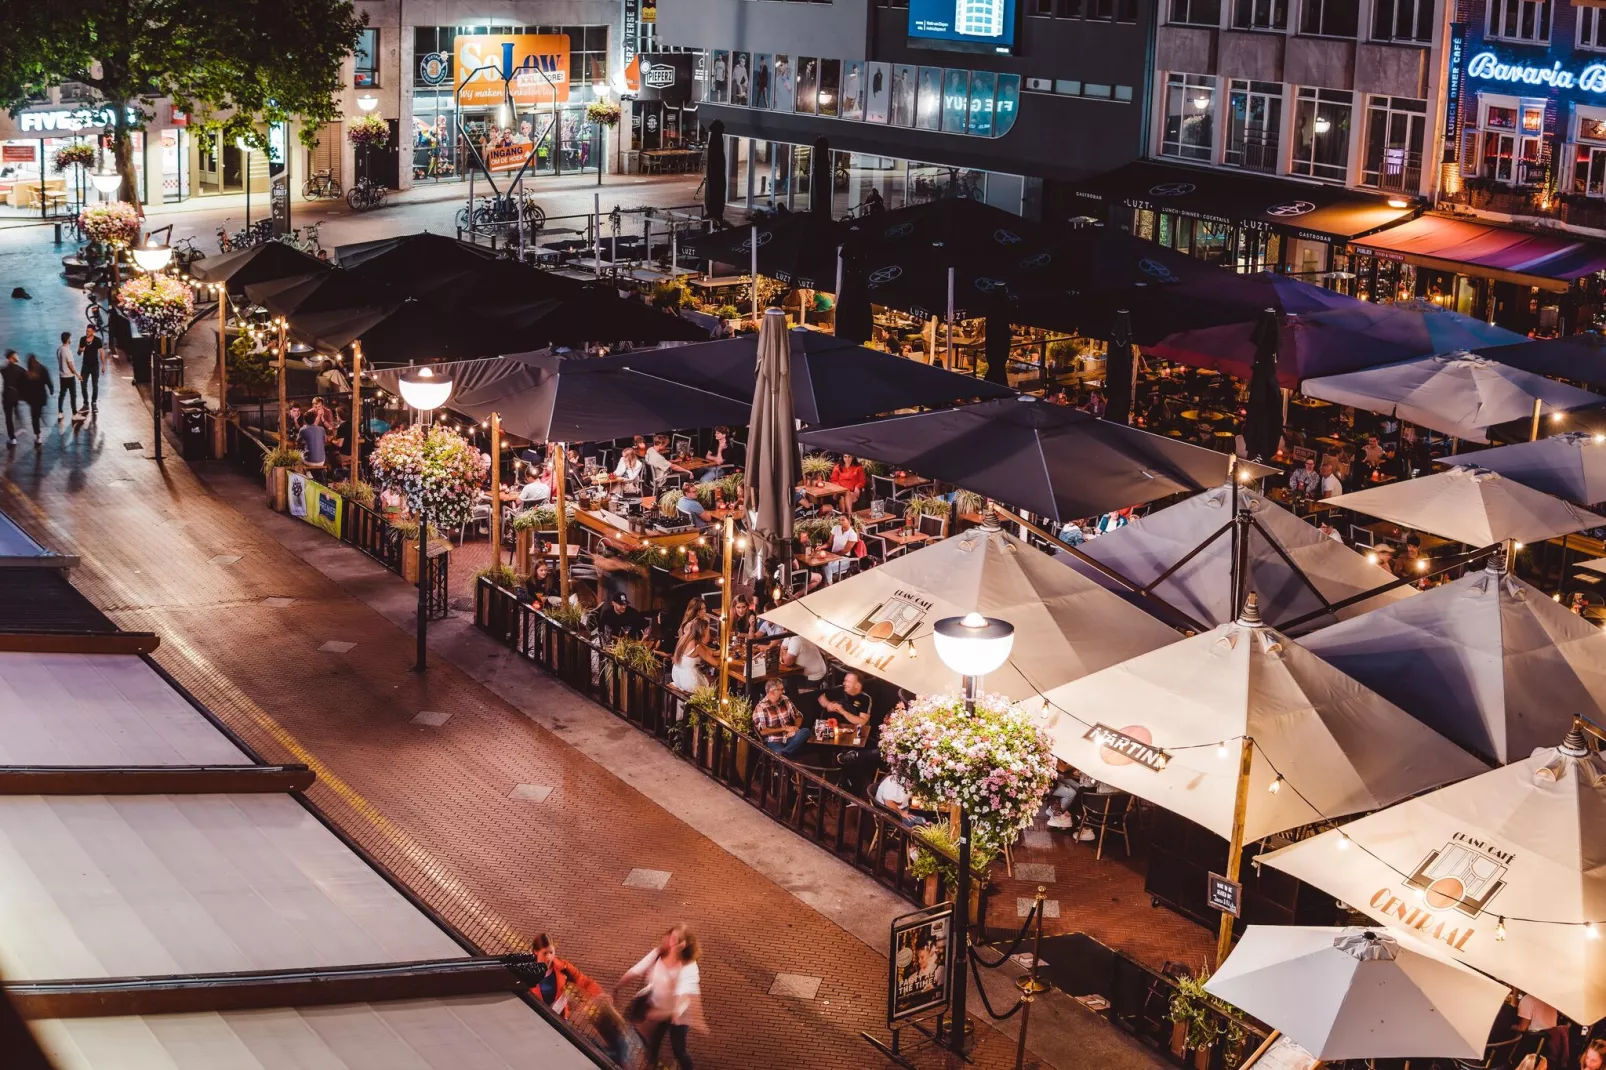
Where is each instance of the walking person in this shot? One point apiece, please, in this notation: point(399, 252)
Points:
point(36, 389)
point(12, 379)
point(669, 1002)
point(90, 348)
point(66, 378)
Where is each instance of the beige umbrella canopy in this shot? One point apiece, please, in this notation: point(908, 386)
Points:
point(1065, 624)
point(772, 439)
point(1489, 661)
point(1570, 465)
point(1505, 872)
point(1337, 747)
point(1472, 506)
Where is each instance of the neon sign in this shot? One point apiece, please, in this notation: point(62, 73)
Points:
point(1488, 67)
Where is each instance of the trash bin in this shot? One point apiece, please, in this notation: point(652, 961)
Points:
point(192, 428)
point(172, 372)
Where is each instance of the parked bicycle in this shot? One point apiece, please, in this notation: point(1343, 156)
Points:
point(305, 238)
point(255, 234)
point(321, 184)
point(501, 211)
point(365, 194)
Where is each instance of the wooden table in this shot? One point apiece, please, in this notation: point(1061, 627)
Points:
point(692, 577)
point(829, 490)
point(908, 481)
point(872, 522)
point(818, 559)
point(906, 538)
point(847, 736)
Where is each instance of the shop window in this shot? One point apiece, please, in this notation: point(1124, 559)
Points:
point(1509, 141)
point(1254, 125)
point(1589, 152)
point(1195, 13)
point(1591, 29)
point(1395, 131)
point(1260, 14)
point(1520, 20)
point(1403, 20)
point(1043, 9)
point(1190, 117)
point(365, 59)
point(1321, 134)
point(1329, 18)
point(1068, 9)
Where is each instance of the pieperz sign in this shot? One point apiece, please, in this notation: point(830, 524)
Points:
point(1488, 67)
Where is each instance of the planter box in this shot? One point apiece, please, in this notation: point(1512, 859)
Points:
point(523, 543)
point(278, 487)
point(409, 558)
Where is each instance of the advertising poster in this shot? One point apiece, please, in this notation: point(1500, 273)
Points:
point(983, 84)
point(808, 84)
point(928, 108)
point(955, 101)
point(297, 494)
point(741, 77)
point(980, 25)
point(921, 944)
point(903, 94)
point(853, 90)
point(878, 102)
point(719, 77)
point(323, 508)
point(784, 78)
point(763, 75)
point(1006, 104)
point(540, 61)
point(830, 96)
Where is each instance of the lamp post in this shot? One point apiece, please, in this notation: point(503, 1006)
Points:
point(150, 259)
point(105, 183)
point(367, 103)
point(424, 392)
point(972, 646)
point(245, 170)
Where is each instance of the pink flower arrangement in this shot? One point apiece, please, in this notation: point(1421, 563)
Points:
point(997, 764)
point(111, 223)
point(369, 130)
point(434, 469)
point(78, 154)
point(159, 305)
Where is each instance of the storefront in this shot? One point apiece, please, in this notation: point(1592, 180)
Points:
point(30, 184)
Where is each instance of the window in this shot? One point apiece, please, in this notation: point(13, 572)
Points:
point(1260, 14)
point(1520, 20)
point(1509, 140)
point(1190, 116)
point(1591, 28)
point(1396, 128)
point(1254, 125)
point(1402, 20)
point(1126, 10)
point(1329, 18)
point(1589, 152)
point(1321, 134)
point(365, 59)
point(1042, 9)
point(1195, 13)
point(1094, 89)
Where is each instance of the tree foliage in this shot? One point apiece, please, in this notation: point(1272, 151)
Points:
point(233, 65)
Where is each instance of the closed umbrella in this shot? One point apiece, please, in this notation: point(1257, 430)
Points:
point(714, 185)
point(772, 462)
point(1120, 371)
point(821, 178)
point(854, 321)
point(1470, 505)
point(1264, 426)
point(1358, 993)
point(1570, 465)
point(999, 336)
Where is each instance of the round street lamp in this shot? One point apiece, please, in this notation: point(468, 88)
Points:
point(368, 103)
point(105, 182)
point(152, 258)
point(972, 646)
point(423, 391)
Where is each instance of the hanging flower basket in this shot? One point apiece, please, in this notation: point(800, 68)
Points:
point(159, 305)
point(434, 469)
point(603, 113)
point(75, 155)
point(111, 223)
point(997, 764)
point(370, 131)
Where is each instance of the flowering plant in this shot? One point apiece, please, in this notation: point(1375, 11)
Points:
point(997, 764)
point(603, 113)
point(112, 223)
point(77, 154)
point(369, 130)
point(434, 469)
point(158, 304)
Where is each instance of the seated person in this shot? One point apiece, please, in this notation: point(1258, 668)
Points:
point(777, 721)
point(845, 543)
point(690, 507)
point(541, 585)
point(728, 454)
point(849, 474)
point(311, 440)
point(891, 794)
point(658, 460)
point(616, 619)
point(848, 703)
point(629, 468)
point(535, 490)
point(798, 651)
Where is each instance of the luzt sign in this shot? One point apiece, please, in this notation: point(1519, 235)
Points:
point(1488, 67)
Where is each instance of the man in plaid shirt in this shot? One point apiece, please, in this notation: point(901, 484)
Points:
point(778, 721)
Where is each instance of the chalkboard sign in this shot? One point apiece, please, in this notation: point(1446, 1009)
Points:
point(1225, 895)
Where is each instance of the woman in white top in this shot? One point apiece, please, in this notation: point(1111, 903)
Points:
point(687, 671)
point(669, 1003)
point(629, 467)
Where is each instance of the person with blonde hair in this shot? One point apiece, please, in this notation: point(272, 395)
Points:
point(670, 1000)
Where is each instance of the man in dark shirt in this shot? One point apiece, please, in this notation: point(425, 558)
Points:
point(848, 703)
point(12, 381)
point(89, 350)
point(616, 620)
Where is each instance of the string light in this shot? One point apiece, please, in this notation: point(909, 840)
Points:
point(1221, 749)
point(1500, 930)
point(1343, 842)
point(1590, 931)
point(1276, 785)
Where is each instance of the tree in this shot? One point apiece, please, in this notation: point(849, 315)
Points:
point(230, 64)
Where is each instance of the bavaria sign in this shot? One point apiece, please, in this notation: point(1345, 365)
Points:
point(1488, 67)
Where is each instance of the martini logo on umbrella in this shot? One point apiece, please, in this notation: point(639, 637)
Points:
point(1006, 237)
point(1156, 270)
point(899, 230)
point(882, 276)
point(1172, 189)
point(990, 286)
point(1038, 260)
point(1292, 208)
point(1132, 745)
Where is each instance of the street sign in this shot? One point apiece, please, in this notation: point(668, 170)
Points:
point(922, 946)
point(1225, 895)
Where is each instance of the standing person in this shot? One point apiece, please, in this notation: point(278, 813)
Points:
point(36, 392)
point(669, 1001)
point(90, 348)
point(12, 379)
point(559, 979)
point(66, 377)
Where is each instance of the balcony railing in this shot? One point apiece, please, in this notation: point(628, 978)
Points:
point(1399, 170)
point(1252, 150)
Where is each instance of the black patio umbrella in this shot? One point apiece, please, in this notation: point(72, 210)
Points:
point(591, 314)
point(401, 333)
point(323, 291)
point(1120, 369)
point(397, 260)
point(833, 380)
point(260, 263)
point(1264, 425)
point(797, 248)
point(1581, 357)
point(549, 398)
point(493, 283)
point(821, 178)
point(1054, 460)
point(714, 175)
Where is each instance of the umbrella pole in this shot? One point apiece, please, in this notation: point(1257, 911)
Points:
point(558, 479)
point(222, 436)
point(753, 241)
point(596, 235)
point(1533, 432)
point(728, 540)
point(1235, 846)
point(496, 489)
point(356, 411)
point(949, 345)
point(283, 423)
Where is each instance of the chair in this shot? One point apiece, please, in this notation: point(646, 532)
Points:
point(1496, 1056)
point(875, 548)
point(885, 488)
point(1106, 813)
point(935, 527)
point(479, 520)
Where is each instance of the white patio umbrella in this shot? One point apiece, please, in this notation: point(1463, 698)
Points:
point(1488, 661)
point(1505, 872)
point(1065, 624)
point(1329, 745)
point(1470, 505)
point(1358, 993)
point(1460, 393)
point(1571, 465)
point(1201, 585)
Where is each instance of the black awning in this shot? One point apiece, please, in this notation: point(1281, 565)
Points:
point(1239, 197)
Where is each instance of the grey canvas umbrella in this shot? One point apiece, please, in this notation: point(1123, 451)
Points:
point(1571, 465)
point(772, 464)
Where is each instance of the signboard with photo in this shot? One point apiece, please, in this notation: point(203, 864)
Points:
point(922, 946)
point(928, 105)
point(741, 77)
point(853, 90)
point(983, 85)
point(763, 97)
point(719, 79)
point(878, 102)
point(808, 84)
point(955, 101)
point(830, 88)
point(903, 94)
point(784, 84)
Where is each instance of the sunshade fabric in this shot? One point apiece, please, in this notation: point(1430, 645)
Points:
point(798, 248)
point(772, 460)
point(1523, 845)
point(1575, 356)
point(1470, 505)
point(268, 260)
point(1570, 465)
point(324, 291)
point(1343, 748)
point(833, 381)
point(1488, 661)
point(547, 398)
point(1460, 394)
point(1056, 461)
point(395, 260)
point(1065, 625)
point(399, 334)
point(1358, 994)
point(591, 314)
point(1202, 588)
point(1434, 241)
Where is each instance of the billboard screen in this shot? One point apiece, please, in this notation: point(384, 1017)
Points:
point(969, 25)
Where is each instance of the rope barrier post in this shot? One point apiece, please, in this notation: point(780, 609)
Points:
point(1029, 985)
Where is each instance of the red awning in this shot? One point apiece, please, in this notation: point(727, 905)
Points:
point(1506, 253)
